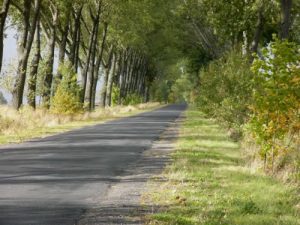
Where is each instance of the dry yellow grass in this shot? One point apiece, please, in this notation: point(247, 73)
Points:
point(16, 126)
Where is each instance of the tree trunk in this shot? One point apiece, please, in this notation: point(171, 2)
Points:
point(110, 81)
point(74, 48)
point(105, 77)
point(146, 94)
point(258, 31)
point(3, 16)
point(63, 44)
point(24, 48)
point(86, 67)
point(97, 67)
point(90, 75)
point(122, 76)
point(31, 96)
point(286, 7)
point(127, 76)
point(49, 62)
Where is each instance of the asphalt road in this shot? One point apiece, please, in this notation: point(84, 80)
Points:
point(54, 180)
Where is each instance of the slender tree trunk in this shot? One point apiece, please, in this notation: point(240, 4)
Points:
point(97, 67)
point(87, 65)
point(122, 76)
point(142, 80)
point(258, 31)
point(24, 48)
point(74, 48)
point(146, 94)
point(49, 62)
point(31, 96)
point(105, 77)
point(286, 7)
point(110, 81)
point(127, 75)
point(90, 75)
point(3, 16)
point(63, 44)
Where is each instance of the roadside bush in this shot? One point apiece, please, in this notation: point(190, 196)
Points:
point(275, 120)
point(67, 96)
point(225, 92)
point(133, 99)
point(115, 95)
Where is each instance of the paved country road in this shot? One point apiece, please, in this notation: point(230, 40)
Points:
point(54, 180)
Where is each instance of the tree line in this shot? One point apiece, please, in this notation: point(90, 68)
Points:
point(89, 36)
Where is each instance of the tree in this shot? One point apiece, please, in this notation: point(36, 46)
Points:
point(3, 16)
point(286, 7)
point(51, 40)
point(24, 47)
point(32, 80)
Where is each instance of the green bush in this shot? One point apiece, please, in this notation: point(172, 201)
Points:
point(133, 99)
point(115, 95)
point(225, 92)
point(67, 96)
point(275, 121)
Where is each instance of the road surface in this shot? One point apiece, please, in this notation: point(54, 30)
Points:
point(54, 180)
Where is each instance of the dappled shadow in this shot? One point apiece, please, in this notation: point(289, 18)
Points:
point(120, 214)
point(122, 203)
point(55, 179)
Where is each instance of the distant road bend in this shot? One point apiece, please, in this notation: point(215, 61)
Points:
point(55, 179)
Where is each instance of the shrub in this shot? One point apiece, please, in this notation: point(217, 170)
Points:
point(275, 121)
point(115, 95)
point(67, 96)
point(133, 99)
point(225, 91)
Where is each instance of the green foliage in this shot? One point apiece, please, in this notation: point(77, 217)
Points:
point(67, 96)
point(275, 110)
point(177, 84)
point(115, 94)
point(225, 91)
point(160, 90)
point(133, 99)
point(207, 183)
point(181, 89)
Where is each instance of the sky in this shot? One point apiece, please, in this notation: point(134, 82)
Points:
point(9, 54)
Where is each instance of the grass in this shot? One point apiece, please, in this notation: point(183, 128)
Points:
point(19, 126)
point(207, 183)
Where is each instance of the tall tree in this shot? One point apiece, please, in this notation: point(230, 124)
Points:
point(3, 16)
point(24, 47)
point(47, 86)
point(32, 81)
point(97, 67)
point(91, 53)
point(110, 80)
point(107, 65)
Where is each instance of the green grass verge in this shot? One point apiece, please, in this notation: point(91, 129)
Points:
point(44, 131)
point(207, 183)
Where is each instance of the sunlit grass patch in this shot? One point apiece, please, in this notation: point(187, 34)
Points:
point(208, 183)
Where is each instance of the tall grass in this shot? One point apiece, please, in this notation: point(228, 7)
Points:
point(27, 123)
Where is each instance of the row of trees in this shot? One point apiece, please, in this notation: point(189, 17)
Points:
point(98, 39)
point(239, 62)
